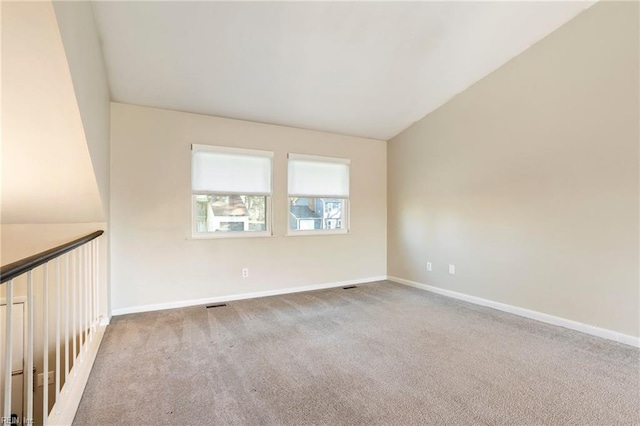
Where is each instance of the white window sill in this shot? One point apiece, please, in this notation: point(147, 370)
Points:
point(316, 233)
point(228, 235)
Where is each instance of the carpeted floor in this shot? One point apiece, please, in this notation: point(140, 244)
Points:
point(378, 354)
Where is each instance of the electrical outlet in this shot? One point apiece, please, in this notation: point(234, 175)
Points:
point(245, 272)
point(41, 379)
point(428, 266)
point(452, 269)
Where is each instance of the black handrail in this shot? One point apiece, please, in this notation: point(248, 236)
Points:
point(15, 269)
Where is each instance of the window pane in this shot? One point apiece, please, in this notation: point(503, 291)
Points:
point(230, 213)
point(306, 214)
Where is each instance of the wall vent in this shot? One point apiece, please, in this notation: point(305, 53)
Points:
point(217, 305)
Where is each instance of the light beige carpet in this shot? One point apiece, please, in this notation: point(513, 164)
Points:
point(377, 354)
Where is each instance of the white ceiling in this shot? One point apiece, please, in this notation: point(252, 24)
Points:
point(358, 68)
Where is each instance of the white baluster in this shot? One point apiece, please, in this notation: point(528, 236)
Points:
point(97, 283)
point(74, 309)
point(67, 296)
point(8, 351)
point(80, 303)
point(81, 306)
point(90, 286)
point(58, 309)
point(45, 343)
point(87, 288)
point(30, 309)
point(94, 309)
point(93, 284)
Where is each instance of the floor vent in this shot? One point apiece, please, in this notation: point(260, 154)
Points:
point(217, 305)
point(349, 287)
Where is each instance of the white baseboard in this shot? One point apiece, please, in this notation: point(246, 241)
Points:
point(538, 316)
point(65, 409)
point(218, 299)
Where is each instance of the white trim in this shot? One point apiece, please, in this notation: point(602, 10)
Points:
point(527, 313)
point(230, 234)
point(231, 150)
point(75, 384)
point(306, 233)
point(242, 296)
point(334, 197)
point(307, 157)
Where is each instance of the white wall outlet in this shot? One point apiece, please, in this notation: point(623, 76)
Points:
point(428, 266)
point(245, 272)
point(452, 269)
point(41, 379)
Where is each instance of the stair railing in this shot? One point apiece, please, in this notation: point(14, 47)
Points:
point(68, 277)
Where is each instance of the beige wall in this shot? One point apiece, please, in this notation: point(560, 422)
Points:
point(47, 174)
point(23, 240)
point(528, 181)
point(154, 262)
point(86, 65)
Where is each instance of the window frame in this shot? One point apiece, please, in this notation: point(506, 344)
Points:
point(268, 232)
point(346, 218)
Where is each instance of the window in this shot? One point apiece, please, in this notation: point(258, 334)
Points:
point(231, 191)
point(318, 194)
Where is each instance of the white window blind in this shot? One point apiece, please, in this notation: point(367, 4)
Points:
point(311, 176)
point(221, 170)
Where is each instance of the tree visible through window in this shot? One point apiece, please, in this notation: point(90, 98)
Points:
point(231, 190)
point(224, 213)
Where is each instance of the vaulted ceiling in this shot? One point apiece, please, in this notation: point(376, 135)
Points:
point(358, 68)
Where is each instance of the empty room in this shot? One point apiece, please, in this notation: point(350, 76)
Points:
point(320, 213)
